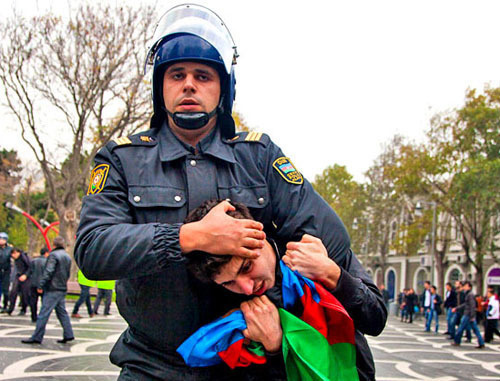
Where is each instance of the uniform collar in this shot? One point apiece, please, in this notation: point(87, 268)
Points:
point(172, 148)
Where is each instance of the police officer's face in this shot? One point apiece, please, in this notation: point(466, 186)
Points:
point(3, 241)
point(249, 276)
point(191, 87)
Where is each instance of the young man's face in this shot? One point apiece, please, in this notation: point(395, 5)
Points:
point(249, 276)
point(15, 254)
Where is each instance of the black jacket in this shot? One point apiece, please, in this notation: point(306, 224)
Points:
point(5, 258)
point(23, 265)
point(142, 189)
point(56, 272)
point(451, 300)
point(37, 266)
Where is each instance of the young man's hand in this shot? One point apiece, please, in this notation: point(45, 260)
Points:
point(310, 258)
point(220, 234)
point(263, 323)
point(22, 278)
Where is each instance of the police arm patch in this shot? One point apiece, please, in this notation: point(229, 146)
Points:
point(98, 178)
point(286, 169)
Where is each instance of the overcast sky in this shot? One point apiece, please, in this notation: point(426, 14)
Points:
point(330, 81)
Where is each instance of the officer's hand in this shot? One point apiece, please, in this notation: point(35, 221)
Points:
point(218, 233)
point(22, 278)
point(310, 258)
point(263, 323)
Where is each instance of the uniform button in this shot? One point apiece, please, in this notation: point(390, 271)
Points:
point(193, 163)
point(137, 198)
point(177, 198)
point(261, 200)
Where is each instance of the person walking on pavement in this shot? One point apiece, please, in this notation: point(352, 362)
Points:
point(425, 301)
point(468, 317)
point(53, 286)
point(104, 291)
point(37, 266)
point(85, 286)
point(435, 310)
point(22, 282)
point(492, 315)
point(5, 252)
point(449, 303)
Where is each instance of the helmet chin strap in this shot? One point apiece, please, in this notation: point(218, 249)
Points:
point(192, 120)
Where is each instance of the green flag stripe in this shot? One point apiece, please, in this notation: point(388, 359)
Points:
point(309, 357)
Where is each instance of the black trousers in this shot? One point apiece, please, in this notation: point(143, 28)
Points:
point(19, 287)
point(491, 327)
point(34, 296)
point(4, 289)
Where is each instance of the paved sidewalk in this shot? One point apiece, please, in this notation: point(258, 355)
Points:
point(404, 352)
point(84, 359)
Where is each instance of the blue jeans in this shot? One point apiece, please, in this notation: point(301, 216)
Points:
point(84, 297)
point(454, 319)
point(467, 323)
point(107, 295)
point(431, 314)
point(53, 300)
point(449, 319)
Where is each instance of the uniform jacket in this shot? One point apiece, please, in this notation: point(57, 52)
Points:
point(129, 229)
point(56, 272)
point(5, 258)
point(37, 266)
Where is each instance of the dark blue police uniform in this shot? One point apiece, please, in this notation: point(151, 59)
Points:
point(141, 190)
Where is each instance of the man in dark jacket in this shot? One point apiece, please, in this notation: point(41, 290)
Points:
point(37, 266)
point(468, 317)
point(5, 251)
point(21, 283)
point(449, 303)
point(53, 286)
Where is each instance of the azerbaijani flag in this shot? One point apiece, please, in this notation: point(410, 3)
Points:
point(317, 346)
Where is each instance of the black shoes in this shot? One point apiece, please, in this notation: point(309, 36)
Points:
point(480, 346)
point(64, 341)
point(30, 341)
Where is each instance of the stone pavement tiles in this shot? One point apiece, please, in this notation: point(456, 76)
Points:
point(84, 359)
point(405, 352)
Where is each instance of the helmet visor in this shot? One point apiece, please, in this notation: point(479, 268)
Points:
point(199, 21)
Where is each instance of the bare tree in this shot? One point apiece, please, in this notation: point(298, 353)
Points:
point(72, 84)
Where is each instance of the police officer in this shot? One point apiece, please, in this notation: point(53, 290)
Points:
point(5, 266)
point(143, 186)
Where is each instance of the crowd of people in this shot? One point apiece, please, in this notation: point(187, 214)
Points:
point(44, 277)
point(463, 310)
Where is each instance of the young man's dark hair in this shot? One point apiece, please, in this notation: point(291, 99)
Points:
point(17, 250)
point(203, 265)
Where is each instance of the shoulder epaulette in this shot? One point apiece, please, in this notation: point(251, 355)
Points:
point(134, 140)
point(249, 137)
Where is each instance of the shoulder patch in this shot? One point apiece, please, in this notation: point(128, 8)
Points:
point(287, 170)
point(98, 178)
point(249, 137)
point(122, 141)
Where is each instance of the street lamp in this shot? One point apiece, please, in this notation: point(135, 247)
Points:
point(418, 212)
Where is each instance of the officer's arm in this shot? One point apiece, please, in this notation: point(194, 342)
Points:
point(298, 209)
point(109, 245)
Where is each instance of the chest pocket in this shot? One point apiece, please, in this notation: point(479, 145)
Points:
point(256, 198)
point(158, 203)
